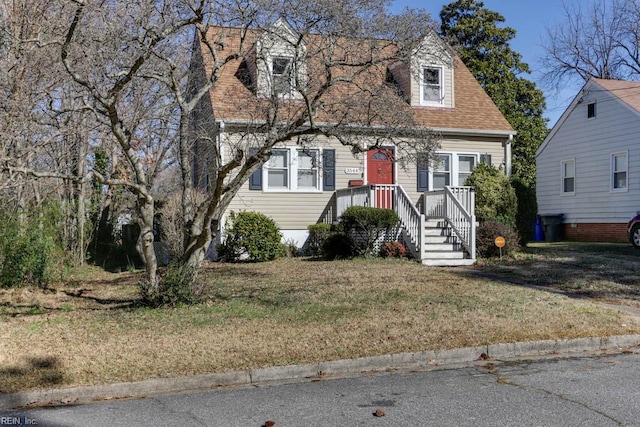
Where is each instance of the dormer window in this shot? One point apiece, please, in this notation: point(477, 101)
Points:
point(282, 76)
point(431, 86)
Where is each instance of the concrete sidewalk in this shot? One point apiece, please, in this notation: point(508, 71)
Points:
point(428, 360)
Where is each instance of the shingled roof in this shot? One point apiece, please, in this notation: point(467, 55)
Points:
point(234, 99)
point(626, 91)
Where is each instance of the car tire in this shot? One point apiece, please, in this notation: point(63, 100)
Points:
point(635, 236)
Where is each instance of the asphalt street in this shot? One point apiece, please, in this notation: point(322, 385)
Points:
point(586, 391)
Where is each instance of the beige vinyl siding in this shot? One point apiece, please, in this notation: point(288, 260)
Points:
point(296, 210)
point(616, 128)
point(407, 177)
point(447, 81)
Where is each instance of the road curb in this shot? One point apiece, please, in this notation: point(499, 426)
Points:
point(440, 359)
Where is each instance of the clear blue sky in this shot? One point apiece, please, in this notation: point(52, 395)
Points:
point(530, 19)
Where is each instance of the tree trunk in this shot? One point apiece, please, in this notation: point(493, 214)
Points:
point(145, 243)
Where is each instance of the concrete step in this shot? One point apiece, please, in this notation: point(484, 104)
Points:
point(443, 254)
point(443, 247)
point(428, 239)
point(447, 262)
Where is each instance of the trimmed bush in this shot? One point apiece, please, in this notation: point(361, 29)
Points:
point(495, 197)
point(339, 246)
point(318, 233)
point(486, 235)
point(393, 250)
point(367, 225)
point(251, 236)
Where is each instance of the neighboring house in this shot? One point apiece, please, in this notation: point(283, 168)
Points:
point(303, 185)
point(587, 167)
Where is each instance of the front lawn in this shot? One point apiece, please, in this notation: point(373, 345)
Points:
point(92, 330)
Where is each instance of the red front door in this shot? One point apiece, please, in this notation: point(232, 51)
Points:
point(380, 172)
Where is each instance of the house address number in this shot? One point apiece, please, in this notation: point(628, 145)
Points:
point(352, 171)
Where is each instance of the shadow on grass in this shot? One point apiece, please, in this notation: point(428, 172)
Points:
point(578, 269)
point(38, 372)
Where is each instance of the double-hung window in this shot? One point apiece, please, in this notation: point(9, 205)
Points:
point(619, 175)
point(466, 163)
point(282, 75)
point(293, 169)
point(431, 83)
point(568, 177)
point(442, 172)
point(277, 170)
point(307, 171)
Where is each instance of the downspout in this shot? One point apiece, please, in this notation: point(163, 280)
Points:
point(507, 156)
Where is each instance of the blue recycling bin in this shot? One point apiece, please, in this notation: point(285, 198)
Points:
point(538, 231)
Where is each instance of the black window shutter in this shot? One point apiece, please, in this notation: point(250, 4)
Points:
point(328, 170)
point(255, 181)
point(423, 173)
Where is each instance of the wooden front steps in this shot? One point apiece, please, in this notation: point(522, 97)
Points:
point(441, 247)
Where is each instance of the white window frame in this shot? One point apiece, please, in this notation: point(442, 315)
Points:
point(475, 163)
point(292, 172)
point(292, 76)
point(440, 69)
point(614, 171)
point(564, 176)
point(454, 167)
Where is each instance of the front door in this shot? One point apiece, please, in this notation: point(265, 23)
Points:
point(380, 172)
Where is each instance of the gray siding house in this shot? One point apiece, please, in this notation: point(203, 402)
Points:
point(587, 167)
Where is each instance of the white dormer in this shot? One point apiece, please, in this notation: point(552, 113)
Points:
point(280, 62)
point(427, 80)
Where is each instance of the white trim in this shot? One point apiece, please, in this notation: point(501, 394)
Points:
point(612, 172)
point(292, 172)
point(563, 176)
point(425, 102)
point(454, 167)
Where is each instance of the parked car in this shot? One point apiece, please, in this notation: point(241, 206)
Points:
point(633, 230)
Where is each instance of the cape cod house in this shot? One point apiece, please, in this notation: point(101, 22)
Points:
point(303, 182)
point(586, 166)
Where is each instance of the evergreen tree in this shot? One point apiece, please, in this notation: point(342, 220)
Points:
point(484, 47)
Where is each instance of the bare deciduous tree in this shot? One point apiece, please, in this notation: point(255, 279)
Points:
point(127, 80)
point(600, 40)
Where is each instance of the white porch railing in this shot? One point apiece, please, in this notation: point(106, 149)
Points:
point(457, 206)
point(412, 221)
point(390, 197)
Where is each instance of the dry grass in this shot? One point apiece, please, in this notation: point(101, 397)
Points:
point(92, 331)
point(608, 272)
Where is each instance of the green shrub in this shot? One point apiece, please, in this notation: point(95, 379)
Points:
point(339, 246)
point(527, 209)
point(393, 250)
point(367, 225)
point(486, 235)
point(27, 251)
point(253, 236)
point(318, 233)
point(495, 197)
point(176, 287)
